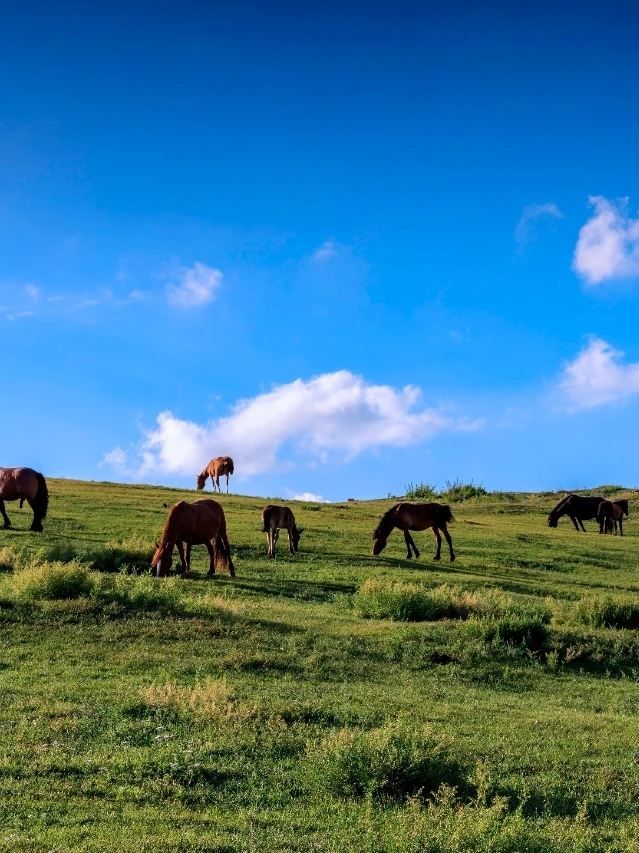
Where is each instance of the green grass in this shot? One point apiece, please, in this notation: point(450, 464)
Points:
point(327, 701)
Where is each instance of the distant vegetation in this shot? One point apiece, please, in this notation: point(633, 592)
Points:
point(453, 492)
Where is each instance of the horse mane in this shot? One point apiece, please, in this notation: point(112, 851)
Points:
point(384, 525)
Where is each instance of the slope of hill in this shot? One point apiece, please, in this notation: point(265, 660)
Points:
point(326, 701)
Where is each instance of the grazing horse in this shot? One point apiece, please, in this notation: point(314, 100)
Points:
point(219, 467)
point(24, 484)
point(276, 518)
point(199, 523)
point(578, 508)
point(610, 514)
point(407, 516)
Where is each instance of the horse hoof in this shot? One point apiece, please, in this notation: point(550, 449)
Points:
point(436, 558)
point(452, 559)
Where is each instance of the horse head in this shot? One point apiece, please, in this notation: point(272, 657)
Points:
point(379, 541)
point(553, 519)
point(162, 560)
point(200, 481)
point(297, 532)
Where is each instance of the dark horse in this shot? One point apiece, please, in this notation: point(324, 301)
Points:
point(24, 484)
point(276, 518)
point(578, 509)
point(406, 516)
point(199, 523)
point(610, 514)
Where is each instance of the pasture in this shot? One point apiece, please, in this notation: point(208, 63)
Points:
point(327, 701)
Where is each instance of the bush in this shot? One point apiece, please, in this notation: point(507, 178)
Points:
point(421, 491)
point(389, 763)
point(459, 491)
point(53, 581)
point(609, 612)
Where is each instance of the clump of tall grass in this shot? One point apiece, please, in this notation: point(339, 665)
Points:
point(392, 763)
point(211, 699)
point(52, 581)
point(56, 581)
point(415, 602)
point(124, 556)
point(609, 612)
point(10, 559)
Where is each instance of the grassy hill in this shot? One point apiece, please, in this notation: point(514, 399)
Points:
point(330, 701)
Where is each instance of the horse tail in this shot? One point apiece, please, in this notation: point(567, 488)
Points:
point(41, 500)
point(447, 513)
point(231, 466)
point(223, 553)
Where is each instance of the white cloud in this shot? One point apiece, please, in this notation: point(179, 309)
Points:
point(309, 497)
point(608, 244)
point(532, 217)
point(32, 292)
point(195, 286)
point(116, 458)
point(328, 418)
point(325, 252)
point(598, 377)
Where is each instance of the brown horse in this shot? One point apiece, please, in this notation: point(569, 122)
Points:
point(610, 514)
point(24, 484)
point(276, 518)
point(407, 516)
point(199, 523)
point(219, 467)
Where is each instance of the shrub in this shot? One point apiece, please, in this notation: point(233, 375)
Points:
point(53, 581)
point(459, 491)
point(385, 762)
point(421, 491)
point(609, 612)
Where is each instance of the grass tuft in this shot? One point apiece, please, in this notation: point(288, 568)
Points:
point(387, 762)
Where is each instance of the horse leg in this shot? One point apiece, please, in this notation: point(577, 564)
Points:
point(290, 540)
point(414, 547)
point(581, 521)
point(408, 540)
point(211, 550)
point(7, 523)
point(36, 524)
point(574, 521)
point(227, 484)
point(450, 542)
point(439, 544)
point(183, 558)
point(620, 526)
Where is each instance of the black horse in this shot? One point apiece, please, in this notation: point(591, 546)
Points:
point(578, 508)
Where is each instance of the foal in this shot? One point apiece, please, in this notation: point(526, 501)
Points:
point(406, 516)
point(610, 514)
point(276, 518)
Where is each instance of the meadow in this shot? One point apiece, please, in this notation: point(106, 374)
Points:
point(328, 701)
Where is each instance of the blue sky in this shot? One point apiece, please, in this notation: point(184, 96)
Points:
point(352, 245)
